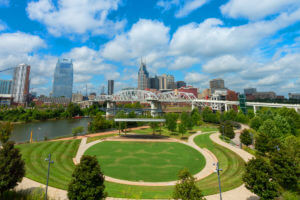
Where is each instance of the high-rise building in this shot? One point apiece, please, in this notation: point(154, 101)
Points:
point(180, 84)
point(170, 82)
point(110, 87)
point(63, 78)
point(249, 91)
point(295, 96)
point(217, 83)
point(162, 82)
point(143, 77)
point(154, 83)
point(20, 85)
point(5, 86)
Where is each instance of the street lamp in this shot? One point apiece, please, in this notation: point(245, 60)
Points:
point(223, 132)
point(218, 172)
point(49, 162)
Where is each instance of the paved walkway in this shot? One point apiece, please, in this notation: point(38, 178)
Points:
point(240, 193)
point(206, 171)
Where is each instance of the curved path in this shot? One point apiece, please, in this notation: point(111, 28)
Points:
point(206, 171)
point(240, 193)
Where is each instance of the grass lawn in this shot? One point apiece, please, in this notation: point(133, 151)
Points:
point(146, 161)
point(64, 151)
point(167, 133)
point(91, 139)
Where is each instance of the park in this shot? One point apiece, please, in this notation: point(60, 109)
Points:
point(143, 162)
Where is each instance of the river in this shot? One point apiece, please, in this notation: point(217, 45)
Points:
point(50, 129)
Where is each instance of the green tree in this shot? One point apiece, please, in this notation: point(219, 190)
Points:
point(12, 167)
point(262, 143)
point(171, 121)
point(77, 130)
point(241, 117)
point(73, 110)
point(256, 122)
point(182, 128)
point(186, 119)
point(245, 137)
point(196, 117)
point(227, 128)
point(285, 169)
point(154, 126)
point(186, 188)
point(269, 127)
point(5, 131)
point(87, 180)
point(258, 178)
point(282, 124)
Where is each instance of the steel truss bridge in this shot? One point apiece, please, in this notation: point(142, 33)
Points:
point(155, 100)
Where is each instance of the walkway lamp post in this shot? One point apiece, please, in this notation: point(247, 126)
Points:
point(223, 131)
point(49, 162)
point(218, 172)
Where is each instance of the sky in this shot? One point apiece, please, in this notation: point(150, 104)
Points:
point(247, 43)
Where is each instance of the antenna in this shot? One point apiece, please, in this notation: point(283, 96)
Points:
point(86, 90)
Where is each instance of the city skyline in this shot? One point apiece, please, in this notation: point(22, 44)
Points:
point(248, 50)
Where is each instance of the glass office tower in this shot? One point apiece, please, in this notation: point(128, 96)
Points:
point(63, 78)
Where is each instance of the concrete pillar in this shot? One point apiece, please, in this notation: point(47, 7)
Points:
point(254, 109)
point(193, 105)
point(110, 108)
point(297, 109)
point(155, 105)
point(226, 107)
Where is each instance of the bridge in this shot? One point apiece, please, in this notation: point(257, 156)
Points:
point(155, 101)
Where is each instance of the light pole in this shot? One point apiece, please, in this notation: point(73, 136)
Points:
point(218, 172)
point(223, 132)
point(49, 162)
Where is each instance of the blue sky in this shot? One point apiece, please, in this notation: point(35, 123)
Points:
point(247, 43)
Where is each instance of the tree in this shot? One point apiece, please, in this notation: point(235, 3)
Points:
point(282, 124)
point(262, 143)
point(186, 188)
point(285, 169)
point(259, 180)
point(228, 129)
point(245, 137)
point(77, 130)
point(256, 122)
point(5, 131)
point(196, 117)
point(182, 128)
point(269, 127)
point(209, 116)
point(87, 180)
point(154, 126)
point(12, 167)
point(186, 119)
point(171, 121)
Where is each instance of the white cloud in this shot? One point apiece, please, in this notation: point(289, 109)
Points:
point(194, 77)
point(257, 9)
point(145, 38)
point(37, 81)
point(183, 62)
point(188, 7)
point(223, 64)
point(270, 80)
point(211, 38)
point(19, 43)
point(75, 16)
point(185, 7)
point(78, 78)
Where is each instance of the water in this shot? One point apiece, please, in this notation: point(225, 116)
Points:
point(50, 129)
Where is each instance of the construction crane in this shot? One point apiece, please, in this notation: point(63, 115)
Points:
point(7, 69)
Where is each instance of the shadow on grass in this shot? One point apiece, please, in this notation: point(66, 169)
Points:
point(184, 138)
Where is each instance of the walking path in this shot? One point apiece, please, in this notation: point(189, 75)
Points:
point(240, 193)
point(206, 171)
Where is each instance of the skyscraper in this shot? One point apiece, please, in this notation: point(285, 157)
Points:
point(63, 78)
point(170, 82)
point(5, 86)
point(217, 83)
point(20, 86)
point(143, 77)
point(163, 82)
point(154, 83)
point(110, 87)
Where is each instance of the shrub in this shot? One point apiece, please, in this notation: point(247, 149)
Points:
point(245, 137)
